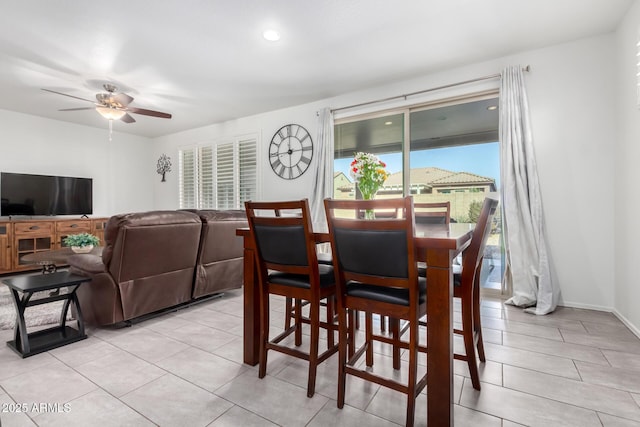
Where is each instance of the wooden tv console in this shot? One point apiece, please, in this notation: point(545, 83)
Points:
point(21, 237)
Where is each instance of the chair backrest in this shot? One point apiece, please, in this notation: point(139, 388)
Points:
point(374, 251)
point(432, 213)
point(472, 255)
point(283, 236)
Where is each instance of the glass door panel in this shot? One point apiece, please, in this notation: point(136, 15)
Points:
point(382, 136)
point(454, 156)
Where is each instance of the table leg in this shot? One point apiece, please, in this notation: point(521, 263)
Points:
point(251, 310)
point(20, 336)
point(439, 338)
point(79, 318)
point(65, 310)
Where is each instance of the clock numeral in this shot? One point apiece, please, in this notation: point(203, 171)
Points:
point(307, 148)
point(299, 170)
point(276, 164)
point(304, 138)
point(306, 160)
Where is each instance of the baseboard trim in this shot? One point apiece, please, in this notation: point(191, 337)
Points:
point(633, 328)
point(586, 306)
point(626, 322)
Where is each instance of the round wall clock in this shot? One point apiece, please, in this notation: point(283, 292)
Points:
point(290, 151)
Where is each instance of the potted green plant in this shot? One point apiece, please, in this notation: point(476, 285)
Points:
point(81, 243)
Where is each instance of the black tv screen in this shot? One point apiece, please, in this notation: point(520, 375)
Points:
point(24, 194)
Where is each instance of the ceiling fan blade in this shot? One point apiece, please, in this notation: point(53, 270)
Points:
point(128, 119)
point(149, 112)
point(77, 109)
point(70, 96)
point(122, 99)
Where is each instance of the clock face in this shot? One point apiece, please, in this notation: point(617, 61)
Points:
point(290, 151)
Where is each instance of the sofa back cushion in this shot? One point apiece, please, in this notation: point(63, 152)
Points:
point(219, 266)
point(145, 244)
point(219, 240)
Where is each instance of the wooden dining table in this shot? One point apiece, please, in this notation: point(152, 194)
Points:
point(437, 246)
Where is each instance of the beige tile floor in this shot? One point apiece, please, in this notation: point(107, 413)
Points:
point(573, 367)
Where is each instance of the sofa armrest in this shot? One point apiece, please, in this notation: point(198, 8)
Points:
point(86, 264)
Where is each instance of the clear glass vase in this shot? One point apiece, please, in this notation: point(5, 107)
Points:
point(368, 193)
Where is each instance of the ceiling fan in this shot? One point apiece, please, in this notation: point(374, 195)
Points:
point(112, 105)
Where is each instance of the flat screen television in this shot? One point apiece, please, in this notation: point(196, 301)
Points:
point(24, 194)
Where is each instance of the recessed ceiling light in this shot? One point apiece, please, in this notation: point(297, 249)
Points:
point(388, 123)
point(271, 35)
point(492, 107)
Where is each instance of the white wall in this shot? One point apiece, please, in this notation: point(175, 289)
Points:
point(270, 186)
point(571, 98)
point(627, 202)
point(122, 169)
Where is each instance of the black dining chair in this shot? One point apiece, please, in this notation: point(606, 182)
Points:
point(376, 272)
point(426, 213)
point(288, 266)
point(466, 286)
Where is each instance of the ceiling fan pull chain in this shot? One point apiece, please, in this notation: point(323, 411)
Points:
point(110, 128)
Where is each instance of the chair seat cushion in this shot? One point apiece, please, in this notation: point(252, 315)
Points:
point(386, 294)
point(327, 278)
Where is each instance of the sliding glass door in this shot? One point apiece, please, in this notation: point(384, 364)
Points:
point(445, 152)
point(382, 135)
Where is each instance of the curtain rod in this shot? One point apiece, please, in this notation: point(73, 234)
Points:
point(391, 98)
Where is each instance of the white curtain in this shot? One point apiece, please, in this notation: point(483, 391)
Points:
point(323, 182)
point(527, 271)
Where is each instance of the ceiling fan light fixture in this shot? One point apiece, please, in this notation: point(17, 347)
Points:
point(110, 113)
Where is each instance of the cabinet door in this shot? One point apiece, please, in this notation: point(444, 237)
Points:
point(31, 237)
point(67, 227)
point(5, 247)
point(97, 228)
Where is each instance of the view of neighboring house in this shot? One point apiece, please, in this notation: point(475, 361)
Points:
point(432, 180)
point(428, 184)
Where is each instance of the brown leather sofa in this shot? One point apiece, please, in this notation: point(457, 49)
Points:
point(220, 254)
point(159, 259)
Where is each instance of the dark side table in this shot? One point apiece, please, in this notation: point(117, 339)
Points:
point(23, 288)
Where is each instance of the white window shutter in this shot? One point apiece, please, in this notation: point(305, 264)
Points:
point(205, 176)
point(225, 180)
point(221, 176)
point(187, 178)
point(248, 178)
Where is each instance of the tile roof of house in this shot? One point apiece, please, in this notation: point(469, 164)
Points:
point(432, 176)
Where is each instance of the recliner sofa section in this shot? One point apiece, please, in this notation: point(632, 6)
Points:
point(220, 254)
point(157, 260)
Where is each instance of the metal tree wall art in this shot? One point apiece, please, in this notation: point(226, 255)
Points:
point(164, 166)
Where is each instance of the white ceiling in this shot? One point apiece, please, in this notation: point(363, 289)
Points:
point(205, 61)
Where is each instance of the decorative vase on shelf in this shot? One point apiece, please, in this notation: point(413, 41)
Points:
point(82, 249)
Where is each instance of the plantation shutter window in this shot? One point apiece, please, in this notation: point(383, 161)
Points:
point(205, 176)
point(219, 176)
point(248, 179)
point(187, 178)
point(225, 176)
